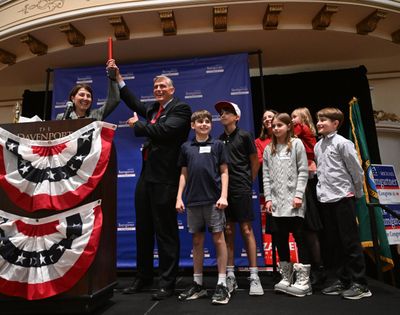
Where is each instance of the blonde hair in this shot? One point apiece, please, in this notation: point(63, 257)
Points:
point(287, 120)
point(305, 118)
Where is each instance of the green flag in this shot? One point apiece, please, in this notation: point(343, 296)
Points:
point(357, 135)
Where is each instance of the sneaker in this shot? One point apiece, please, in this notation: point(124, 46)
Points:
point(231, 284)
point(221, 295)
point(255, 286)
point(192, 293)
point(356, 292)
point(335, 289)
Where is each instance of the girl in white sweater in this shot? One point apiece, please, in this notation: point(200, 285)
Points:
point(285, 175)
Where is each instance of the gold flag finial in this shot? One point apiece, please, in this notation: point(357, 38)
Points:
point(353, 100)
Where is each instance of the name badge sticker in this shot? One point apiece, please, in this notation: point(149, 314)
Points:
point(205, 149)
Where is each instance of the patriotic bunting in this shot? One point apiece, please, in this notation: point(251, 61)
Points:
point(40, 258)
point(56, 174)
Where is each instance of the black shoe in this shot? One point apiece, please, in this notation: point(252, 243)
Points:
point(195, 291)
point(162, 294)
point(318, 276)
point(356, 292)
point(137, 286)
point(221, 295)
point(336, 288)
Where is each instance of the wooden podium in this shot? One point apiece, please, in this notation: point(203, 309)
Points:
point(95, 288)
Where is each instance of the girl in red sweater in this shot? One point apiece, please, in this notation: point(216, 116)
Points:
point(305, 130)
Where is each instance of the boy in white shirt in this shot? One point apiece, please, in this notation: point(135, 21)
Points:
point(340, 183)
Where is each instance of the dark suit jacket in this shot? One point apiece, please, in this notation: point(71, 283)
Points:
point(164, 138)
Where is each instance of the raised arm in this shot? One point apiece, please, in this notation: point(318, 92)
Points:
point(112, 101)
point(126, 95)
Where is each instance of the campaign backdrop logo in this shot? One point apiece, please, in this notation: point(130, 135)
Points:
point(147, 98)
point(215, 69)
point(170, 72)
point(100, 102)
point(206, 253)
point(61, 104)
point(193, 94)
point(180, 225)
point(128, 76)
point(216, 117)
point(126, 173)
point(126, 227)
point(86, 79)
point(239, 91)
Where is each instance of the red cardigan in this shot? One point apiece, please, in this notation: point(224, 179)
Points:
point(303, 132)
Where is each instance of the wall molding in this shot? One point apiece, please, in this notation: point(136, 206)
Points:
point(388, 127)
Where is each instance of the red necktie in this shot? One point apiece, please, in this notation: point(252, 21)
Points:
point(160, 110)
point(153, 121)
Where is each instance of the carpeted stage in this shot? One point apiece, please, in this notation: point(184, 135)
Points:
point(385, 300)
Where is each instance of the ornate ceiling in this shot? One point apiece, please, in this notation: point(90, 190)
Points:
point(36, 35)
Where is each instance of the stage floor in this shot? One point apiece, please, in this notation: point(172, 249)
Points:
point(385, 300)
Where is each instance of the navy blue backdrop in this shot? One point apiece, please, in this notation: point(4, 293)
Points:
point(201, 82)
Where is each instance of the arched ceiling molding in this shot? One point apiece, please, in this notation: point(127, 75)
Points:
point(74, 36)
point(63, 11)
point(195, 21)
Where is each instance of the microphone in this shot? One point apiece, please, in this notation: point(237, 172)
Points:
point(68, 110)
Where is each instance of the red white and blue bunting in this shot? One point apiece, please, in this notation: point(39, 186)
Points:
point(40, 258)
point(56, 174)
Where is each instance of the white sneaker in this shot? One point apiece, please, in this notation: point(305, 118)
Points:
point(255, 286)
point(231, 284)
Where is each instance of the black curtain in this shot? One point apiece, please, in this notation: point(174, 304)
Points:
point(316, 90)
point(33, 103)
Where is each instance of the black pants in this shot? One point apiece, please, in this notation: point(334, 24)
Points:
point(156, 215)
point(342, 239)
point(284, 226)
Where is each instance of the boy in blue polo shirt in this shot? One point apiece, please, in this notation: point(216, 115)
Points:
point(204, 173)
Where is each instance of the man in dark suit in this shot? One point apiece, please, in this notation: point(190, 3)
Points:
point(166, 127)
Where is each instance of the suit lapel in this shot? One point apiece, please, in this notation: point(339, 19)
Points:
point(170, 106)
point(154, 109)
